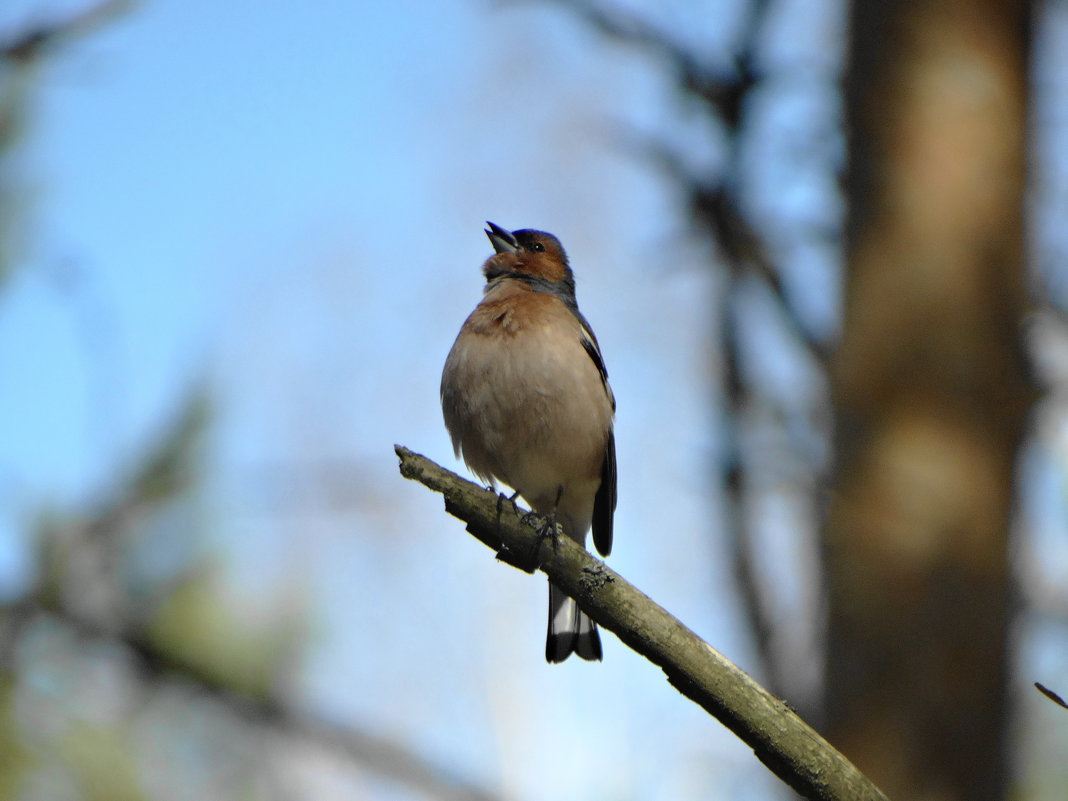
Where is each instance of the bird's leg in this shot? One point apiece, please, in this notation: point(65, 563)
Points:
point(548, 529)
point(528, 563)
point(501, 498)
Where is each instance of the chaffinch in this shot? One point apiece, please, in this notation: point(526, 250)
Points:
point(526, 400)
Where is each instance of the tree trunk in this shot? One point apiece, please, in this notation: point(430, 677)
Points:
point(931, 394)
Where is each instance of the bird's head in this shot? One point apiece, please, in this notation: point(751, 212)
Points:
point(535, 253)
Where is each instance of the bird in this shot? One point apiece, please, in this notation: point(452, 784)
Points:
point(526, 401)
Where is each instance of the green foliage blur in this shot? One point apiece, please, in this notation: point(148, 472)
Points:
point(121, 678)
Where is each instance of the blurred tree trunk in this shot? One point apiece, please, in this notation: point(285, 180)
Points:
point(931, 395)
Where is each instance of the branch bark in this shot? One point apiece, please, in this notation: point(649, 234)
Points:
point(787, 745)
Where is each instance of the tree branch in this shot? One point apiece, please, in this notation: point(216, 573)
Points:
point(27, 45)
point(382, 755)
point(779, 738)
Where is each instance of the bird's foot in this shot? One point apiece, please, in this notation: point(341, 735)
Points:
point(547, 530)
point(501, 498)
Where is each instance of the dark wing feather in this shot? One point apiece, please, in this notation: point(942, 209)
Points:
point(589, 343)
point(604, 505)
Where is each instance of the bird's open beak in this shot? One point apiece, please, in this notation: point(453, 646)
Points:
point(502, 239)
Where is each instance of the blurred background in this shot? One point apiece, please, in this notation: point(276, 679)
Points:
point(822, 246)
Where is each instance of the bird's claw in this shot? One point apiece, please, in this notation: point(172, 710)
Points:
point(501, 498)
point(547, 530)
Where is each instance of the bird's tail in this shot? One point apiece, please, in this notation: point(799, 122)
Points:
point(570, 630)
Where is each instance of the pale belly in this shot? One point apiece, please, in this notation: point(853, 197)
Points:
point(531, 414)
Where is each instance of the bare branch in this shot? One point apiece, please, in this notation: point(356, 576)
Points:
point(755, 604)
point(700, 79)
point(1046, 691)
point(747, 254)
point(712, 203)
point(388, 758)
point(780, 739)
point(27, 45)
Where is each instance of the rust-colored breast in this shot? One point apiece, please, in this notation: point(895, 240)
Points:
point(511, 308)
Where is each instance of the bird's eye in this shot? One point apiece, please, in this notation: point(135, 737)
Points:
point(537, 247)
